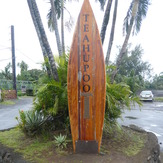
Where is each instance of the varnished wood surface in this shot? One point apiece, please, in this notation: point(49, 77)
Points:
point(86, 79)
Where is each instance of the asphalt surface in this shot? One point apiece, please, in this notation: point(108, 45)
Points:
point(149, 117)
point(9, 112)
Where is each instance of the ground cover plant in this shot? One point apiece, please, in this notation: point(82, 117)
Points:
point(8, 102)
point(122, 142)
point(159, 99)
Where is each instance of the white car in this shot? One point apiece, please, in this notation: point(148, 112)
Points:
point(146, 96)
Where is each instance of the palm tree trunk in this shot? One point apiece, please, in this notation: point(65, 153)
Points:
point(111, 34)
point(124, 46)
point(42, 37)
point(55, 25)
point(38, 34)
point(62, 26)
point(105, 20)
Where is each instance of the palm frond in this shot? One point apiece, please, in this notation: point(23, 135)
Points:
point(58, 14)
point(127, 19)
point(140, 15)
point(102, 3)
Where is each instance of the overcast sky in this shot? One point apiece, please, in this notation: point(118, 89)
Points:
point(28, 48)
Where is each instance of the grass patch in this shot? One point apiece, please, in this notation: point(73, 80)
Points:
point(32, 149)
point(120, 142)
point(7, 102)
point(158, 99)
point(124, 140)
point(136, 144)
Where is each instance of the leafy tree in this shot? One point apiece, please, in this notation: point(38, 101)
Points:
point(157, 82)
point(23, 66)
point(35, 74)
point(133, 70)
point(6, 72)
point(24, 75)
point(29, 75)
point(1, 76)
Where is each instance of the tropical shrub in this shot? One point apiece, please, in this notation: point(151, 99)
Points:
point(22, 119)
point(31, 122)
point(51, 101)
point(29, 92)
point(51, 96)
point(2, 96)
point(118, 97)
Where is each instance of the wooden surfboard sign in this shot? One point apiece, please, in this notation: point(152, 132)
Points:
point(86, 84)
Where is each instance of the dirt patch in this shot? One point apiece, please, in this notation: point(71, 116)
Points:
point(133, 145)
point(7, 155)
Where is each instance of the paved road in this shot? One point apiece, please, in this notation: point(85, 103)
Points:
point(150, 118)
point(9, 112)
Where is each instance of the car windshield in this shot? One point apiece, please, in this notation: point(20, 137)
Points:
point(146, 92)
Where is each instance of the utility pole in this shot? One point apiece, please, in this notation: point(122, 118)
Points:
point(13, 59)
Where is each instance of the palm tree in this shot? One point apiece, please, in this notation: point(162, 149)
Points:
point(105, 19)
point(136, 12)
point(6, 73)
point(38, 33)
point(111, 33)
point(55, 25)
point(62, 26)
point(60, 7)
point(47, 53)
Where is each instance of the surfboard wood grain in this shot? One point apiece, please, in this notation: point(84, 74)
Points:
point(86, 80)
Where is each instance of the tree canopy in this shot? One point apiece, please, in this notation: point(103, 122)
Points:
point(133, 70)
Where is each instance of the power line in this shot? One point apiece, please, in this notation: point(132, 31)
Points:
point(5, 48)
point(26, 55)
point(19, 52)
point(5, 59)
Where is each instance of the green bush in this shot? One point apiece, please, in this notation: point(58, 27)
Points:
point(51, 96)
point(20, 93)
point(2, 96)
point(29, 92)
point(31, 122)
point(118, 97)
